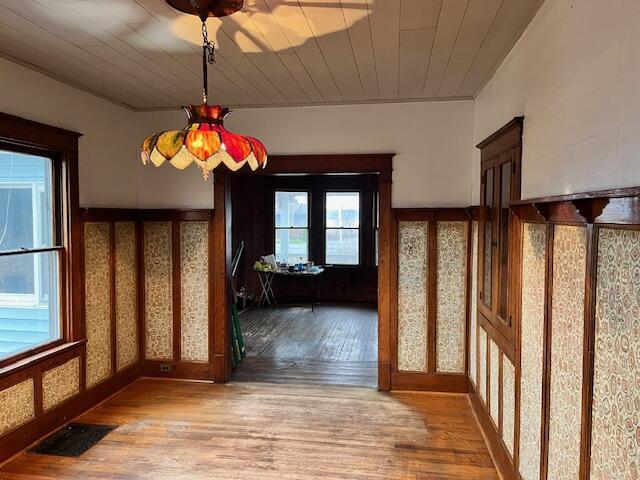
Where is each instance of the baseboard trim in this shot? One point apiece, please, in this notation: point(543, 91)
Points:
point(429, 382)
point(179, 370)
point(498, 452)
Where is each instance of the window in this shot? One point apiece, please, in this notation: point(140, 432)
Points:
point(292, 227)
point(342, 228)
point(29, 253)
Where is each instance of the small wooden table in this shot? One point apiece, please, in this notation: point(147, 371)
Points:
point(268, 297)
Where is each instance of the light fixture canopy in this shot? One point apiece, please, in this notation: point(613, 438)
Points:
point(207, 8)
point(204, 140)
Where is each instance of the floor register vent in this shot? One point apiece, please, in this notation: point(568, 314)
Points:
point(73, 440)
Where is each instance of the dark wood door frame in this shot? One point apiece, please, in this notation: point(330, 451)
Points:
point(304, 164)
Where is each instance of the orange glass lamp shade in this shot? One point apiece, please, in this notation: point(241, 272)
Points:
point(204, 141)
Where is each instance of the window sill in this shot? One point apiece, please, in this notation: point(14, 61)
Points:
point(39, 358)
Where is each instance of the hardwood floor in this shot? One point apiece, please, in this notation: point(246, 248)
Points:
point(333, 344)
point(179, 430)
point(340, 332)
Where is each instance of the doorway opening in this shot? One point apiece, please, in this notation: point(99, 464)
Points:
point(310, 282)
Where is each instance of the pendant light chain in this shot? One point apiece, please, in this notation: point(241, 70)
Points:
point(208, 56)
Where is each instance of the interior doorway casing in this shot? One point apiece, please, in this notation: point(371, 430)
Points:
point(380, 164)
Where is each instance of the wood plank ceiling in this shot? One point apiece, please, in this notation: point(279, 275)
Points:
point(145, 55)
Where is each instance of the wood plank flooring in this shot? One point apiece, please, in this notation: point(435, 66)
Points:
point(340, 332)
point(179, 430)
point(333, 344)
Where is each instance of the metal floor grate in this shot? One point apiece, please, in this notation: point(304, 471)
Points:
point(73, 440)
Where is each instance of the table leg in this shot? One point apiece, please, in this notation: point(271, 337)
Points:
point(271, 276)
point(264, 285)
point(314, 298)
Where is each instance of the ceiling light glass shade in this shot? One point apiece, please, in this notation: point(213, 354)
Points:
point(204, 141)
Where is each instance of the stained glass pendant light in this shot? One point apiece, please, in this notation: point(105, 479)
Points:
point(204, 140)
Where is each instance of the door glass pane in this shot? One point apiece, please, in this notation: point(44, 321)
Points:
point(29, 311)
point(488, 237)
point(342, 246)
point(342, 209)
point(26, 214)
point(292, 209)
point(505, 197)
point(292, 245)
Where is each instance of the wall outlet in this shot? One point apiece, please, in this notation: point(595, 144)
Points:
point(165, 367)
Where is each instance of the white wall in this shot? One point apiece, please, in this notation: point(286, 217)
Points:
point(575, 76)
point(431, 140)
point(109, 160)
point(108, 146)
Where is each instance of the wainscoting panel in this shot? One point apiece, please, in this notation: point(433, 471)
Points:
point(494, 381)
point(473, 312)
point(126, 295)
point(97, 264)
point(482, 370)
point(615, 440)
point(508, 403)
point(60, 383)
point(412, 296)
point(451, 296)
point(534, 258)
point(17, 405)
point(158, 291)
point(567, 337)
point(194, 290)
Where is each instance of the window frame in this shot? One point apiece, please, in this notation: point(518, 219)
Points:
point(61, 146)
point(376, 228)
point(307, 228)
point(359, 228)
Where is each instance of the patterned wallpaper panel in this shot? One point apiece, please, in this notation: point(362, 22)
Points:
point(97, 301)
point(126, 295)
point(482, 368)
point(508, 403)
point(60, 383)
point(450, 297)
point(17, 405)
point(494, 381)
point(531, 356)
point(615, 436)
point(473, 340)
point(567, 324)
point(158, 280)
point(412, 296)
point(194, 276)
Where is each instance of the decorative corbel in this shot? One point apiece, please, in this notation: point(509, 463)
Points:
point(590, 208)
point(542, 210)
